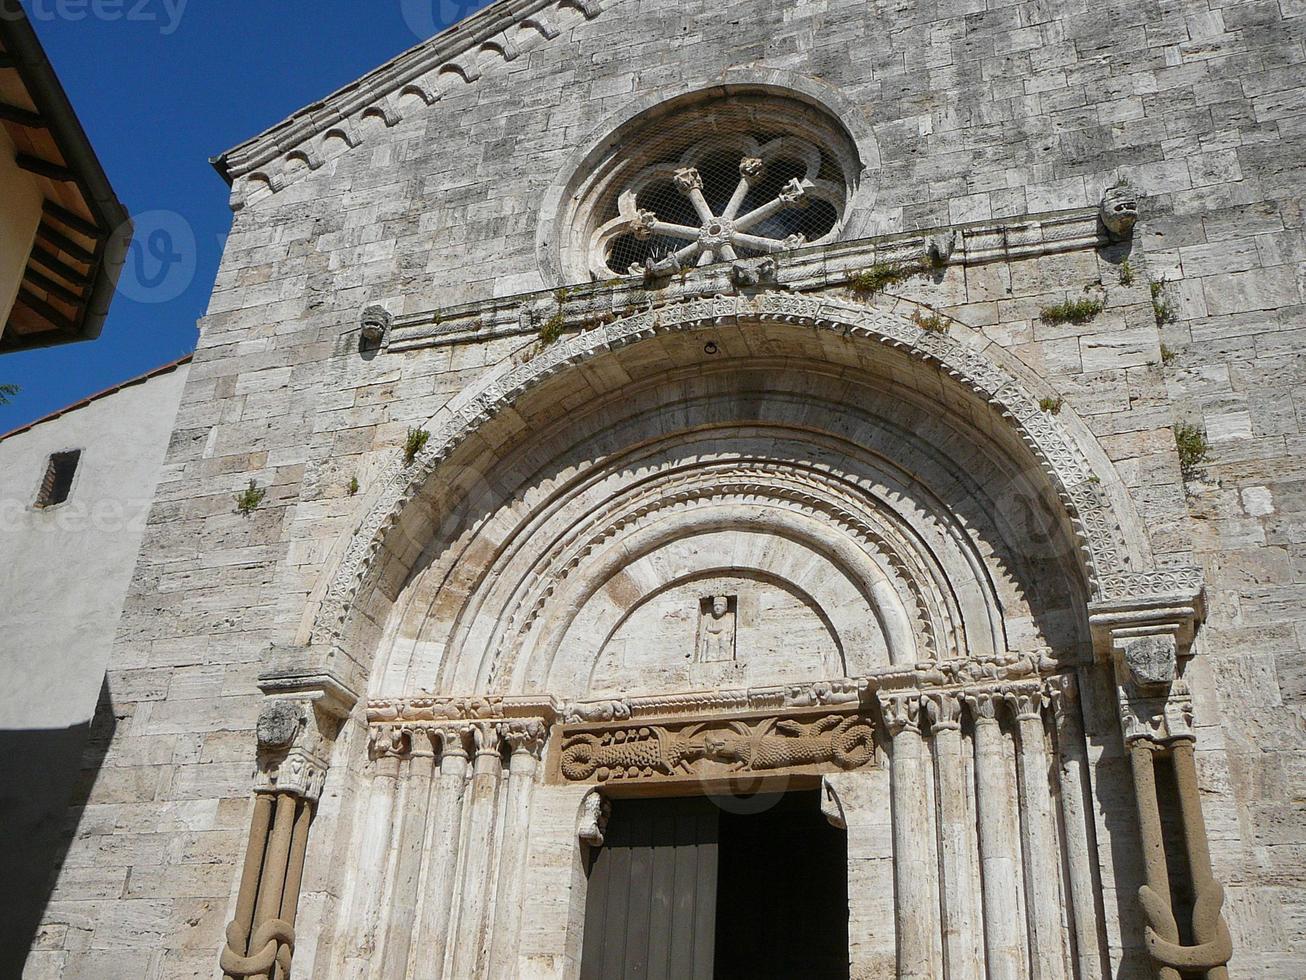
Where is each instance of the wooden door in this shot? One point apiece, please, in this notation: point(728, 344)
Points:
point(651, 909)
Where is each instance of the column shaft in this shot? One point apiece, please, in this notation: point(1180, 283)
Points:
point(1152, 840)
point(1042, 857)
point(1080, 842)
point(442, 854)
point(410, 835)
point(362, 918)
point(963, 942)
point(917, 906)
point(527, 741)
point(238, 932)
point(478, 856)
point(999, 840)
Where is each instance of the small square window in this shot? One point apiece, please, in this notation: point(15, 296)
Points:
point(58, 481)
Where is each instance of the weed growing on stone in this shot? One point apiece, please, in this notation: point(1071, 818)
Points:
point(1162, 308)
point(881, 276)
point(551, 329)
point(1167, 354)
point(249, 499)
point(932, 323)
point(415, 443)
point(1193, 448)
point(1051, 405)
point(353, 486)
point(1126, 274)
point(1076, 311)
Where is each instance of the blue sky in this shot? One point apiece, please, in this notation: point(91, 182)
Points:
point(160, 87)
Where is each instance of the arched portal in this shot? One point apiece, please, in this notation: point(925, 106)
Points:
point(771, 543)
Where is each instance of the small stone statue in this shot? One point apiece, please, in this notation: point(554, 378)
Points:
point(1119, 211)
point(717, 633)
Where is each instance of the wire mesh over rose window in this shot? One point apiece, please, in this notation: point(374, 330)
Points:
point(723, 199)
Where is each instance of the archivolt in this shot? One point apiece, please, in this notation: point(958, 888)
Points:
point(1095, 516)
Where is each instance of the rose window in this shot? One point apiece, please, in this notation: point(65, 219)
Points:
point(718, 203)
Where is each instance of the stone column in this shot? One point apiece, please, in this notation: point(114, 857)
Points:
point(296, 729)
point(478, 853)
point(442, 852)
point(1080, 841)
point(527, 741)
point(999, 840)
point(1156, 715)
point(963, 937)
point(1042, 856)
point(917, 908)
point(410, 835)
point(363, 921)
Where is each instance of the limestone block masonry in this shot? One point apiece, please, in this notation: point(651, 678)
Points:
point(1003, 494)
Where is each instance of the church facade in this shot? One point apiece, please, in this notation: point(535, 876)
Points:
point(689, 490)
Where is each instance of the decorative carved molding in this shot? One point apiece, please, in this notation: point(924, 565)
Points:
point(1088, 508)
point(717, 748)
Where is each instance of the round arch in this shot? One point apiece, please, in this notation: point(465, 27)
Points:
point(1097, 521)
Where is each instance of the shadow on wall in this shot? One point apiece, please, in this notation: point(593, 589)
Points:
point(45, 779)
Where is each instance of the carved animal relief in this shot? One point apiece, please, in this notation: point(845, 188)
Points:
point(714, 749)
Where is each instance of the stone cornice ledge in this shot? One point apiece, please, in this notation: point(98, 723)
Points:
point(448, 48)
point(802, 270)
point(310, 673)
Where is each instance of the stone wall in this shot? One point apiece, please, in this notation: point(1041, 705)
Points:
point(66, 573)
point(964, 115)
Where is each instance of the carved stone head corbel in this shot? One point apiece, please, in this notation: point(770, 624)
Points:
point(373, 326)
point(1119, 211)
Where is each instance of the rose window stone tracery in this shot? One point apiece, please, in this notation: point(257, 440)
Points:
point(721, 200)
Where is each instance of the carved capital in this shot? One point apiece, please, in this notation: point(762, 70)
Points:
point(902, 713)
point(944, 711)
point(642, 224)
point(455, 740)
point(1161, 720)
point(387, 742)
point(984, 706)
point(1027, 703)
point(751, 169)
point(296, 730)
point(687, 180)
point(525, 736)
point(486, 740)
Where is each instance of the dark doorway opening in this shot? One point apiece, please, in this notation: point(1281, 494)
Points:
point(782, 892)
point(702, 888)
